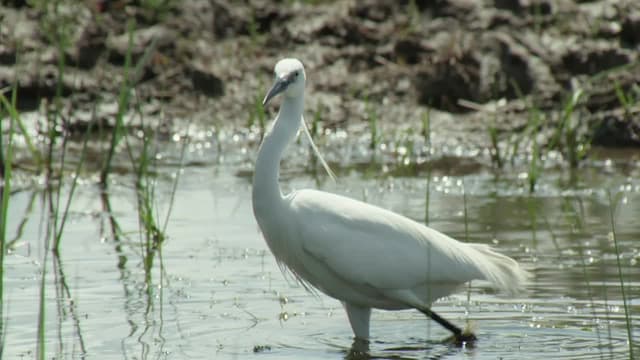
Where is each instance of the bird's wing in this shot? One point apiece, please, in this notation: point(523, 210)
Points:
point(369, 245)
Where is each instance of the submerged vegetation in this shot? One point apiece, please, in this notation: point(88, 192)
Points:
point(49, 154)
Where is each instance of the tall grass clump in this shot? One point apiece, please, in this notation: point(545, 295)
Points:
point(145, 165)
point(57, 25)
point(145, 191)
point(534, 119)
point(566, 136)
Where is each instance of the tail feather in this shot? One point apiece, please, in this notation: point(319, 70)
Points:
point(501, 270)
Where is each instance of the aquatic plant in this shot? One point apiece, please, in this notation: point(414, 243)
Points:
point(566, 137)
point(157, 9)
point(144, 164)
point(574, 216)
point(496, 156)
point(413, 13)
point(59, 228)
point(254, 33)
point(314, 132)
point(130, 76)
point(627, 99)
point(123, 106)
point(427, 196)
point(372, 118)
point(534, 167)
point(6, 163)
point(614, 238)
point(145, 191)
point(426, 128)
point(12, 112)
point(257, 114)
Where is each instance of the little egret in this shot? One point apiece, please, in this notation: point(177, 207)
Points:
point(363, 255)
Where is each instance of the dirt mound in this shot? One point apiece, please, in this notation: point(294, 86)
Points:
point(444, 54)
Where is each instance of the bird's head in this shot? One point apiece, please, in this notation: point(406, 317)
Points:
point(290, 79)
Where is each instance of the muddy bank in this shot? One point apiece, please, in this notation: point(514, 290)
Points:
point(476, 65)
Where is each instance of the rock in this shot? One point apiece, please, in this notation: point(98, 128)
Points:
point(118, 45)
point(229, 20)
point(618, 130)
point(15, 3)
point(514, 77)
point(590, 60)
point(346, 31)
point(195, 15)
point(391, 52)
point(410, 50)
point(603, 90)
point(205, 81)
point(33, 86)
point(490, 67)
point(374, 10)
point(7, 55)
point(443, 83)
point(630, 31)
point(88, 45)
point(424, 5)
point(538, 7)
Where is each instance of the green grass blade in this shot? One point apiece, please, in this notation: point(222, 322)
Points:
point(426, 128)
point(6, 193)
point(174, 187)
point(74, 183)
point(15, 116)
point(123, 106)
point(612, 205)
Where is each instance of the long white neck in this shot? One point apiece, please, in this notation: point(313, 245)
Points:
point(266, 190)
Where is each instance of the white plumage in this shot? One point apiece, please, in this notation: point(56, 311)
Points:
point(363, 255)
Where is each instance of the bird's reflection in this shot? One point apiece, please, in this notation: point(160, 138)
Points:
point(361, 350)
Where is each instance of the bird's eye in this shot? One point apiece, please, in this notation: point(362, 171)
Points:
point(295, 74)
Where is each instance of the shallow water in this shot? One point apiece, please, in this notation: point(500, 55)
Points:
point(214, 289)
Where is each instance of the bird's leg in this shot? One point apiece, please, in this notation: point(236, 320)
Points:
point(460, 338)
point(359, 349)
point(359, 320)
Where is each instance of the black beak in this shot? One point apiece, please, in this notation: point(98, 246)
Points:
point(279, 86)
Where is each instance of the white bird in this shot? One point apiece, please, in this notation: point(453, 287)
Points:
point(363, 255)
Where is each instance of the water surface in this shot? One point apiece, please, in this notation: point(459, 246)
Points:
point(215, 291)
